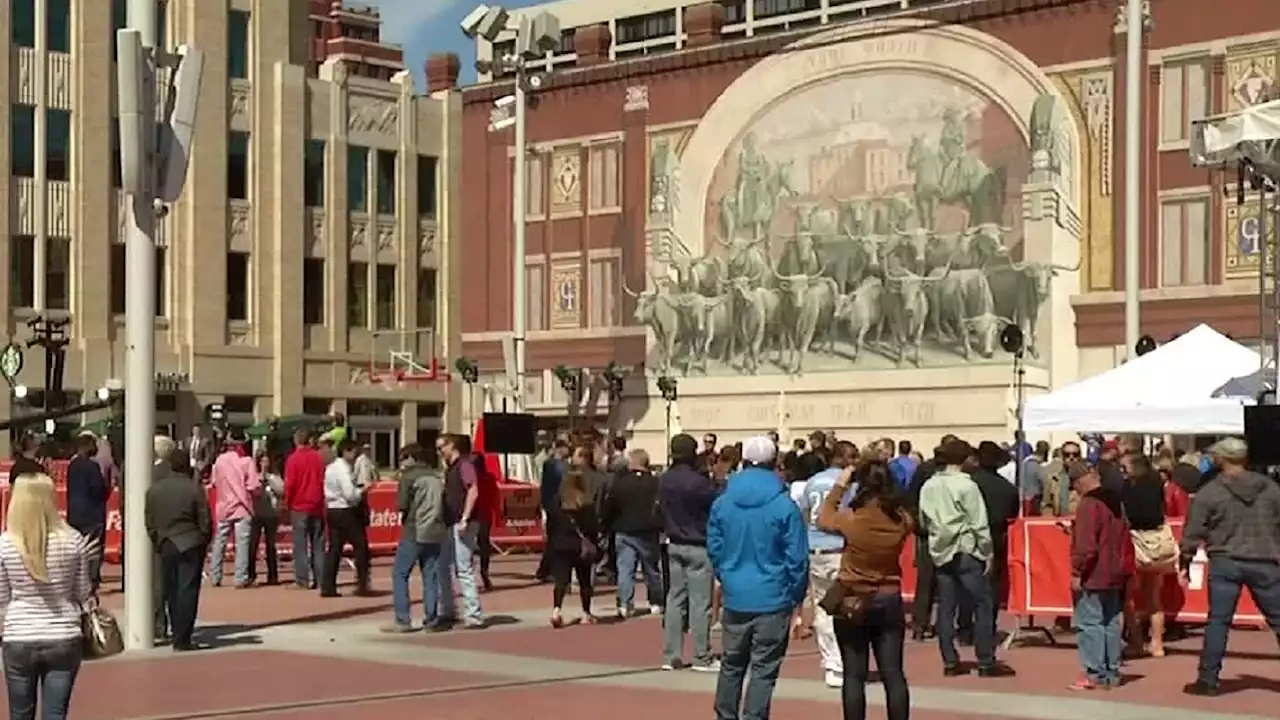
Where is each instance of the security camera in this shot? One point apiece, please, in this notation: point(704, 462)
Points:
point(535, 82)
point(505, 101)
point(485, 22)
point(178, 130)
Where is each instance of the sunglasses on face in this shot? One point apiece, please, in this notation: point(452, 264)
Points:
point(1071, 456)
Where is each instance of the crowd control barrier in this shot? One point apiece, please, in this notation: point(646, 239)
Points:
point(519, 525)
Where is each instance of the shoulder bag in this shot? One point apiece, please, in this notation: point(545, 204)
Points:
point(1155, 550)
point(101, 631)
point(588, 552)
point(847, 602)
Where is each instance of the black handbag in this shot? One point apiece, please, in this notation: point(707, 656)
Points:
point(847, 603)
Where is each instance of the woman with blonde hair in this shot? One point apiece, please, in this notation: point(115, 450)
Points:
point(44, 584)
point(573, 540)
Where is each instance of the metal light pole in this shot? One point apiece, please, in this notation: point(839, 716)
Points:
point(1134, 20)
point(140, 356)
point(519, 190)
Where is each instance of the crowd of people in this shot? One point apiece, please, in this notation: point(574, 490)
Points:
point(755, 540)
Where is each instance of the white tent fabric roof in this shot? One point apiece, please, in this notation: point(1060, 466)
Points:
point(1169, 390)
point(1259, 123)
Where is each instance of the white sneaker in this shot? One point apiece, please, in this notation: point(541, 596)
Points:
point(834, 679)
point(655, 610)
point(711, 667)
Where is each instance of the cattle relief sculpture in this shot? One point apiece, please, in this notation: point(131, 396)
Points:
point(867, 222)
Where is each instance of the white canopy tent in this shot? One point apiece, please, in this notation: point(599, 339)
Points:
point(1250, 135)
point(1169, 390)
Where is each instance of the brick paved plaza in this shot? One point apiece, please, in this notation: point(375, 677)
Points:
point(283, 653)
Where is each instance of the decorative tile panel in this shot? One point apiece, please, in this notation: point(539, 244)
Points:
point(239, 226)
point(23, 80)
point(386, 239)
point(566, 296)
point(23, 219)
point(427, 243)
point(371, 116)
point(566, 176)
point(1250, 79)
point(60, 78)
point(358, 240)
point(58, 206)
point(314, 244)
point(239, 110)
point(1243, 239)
point(637, 98)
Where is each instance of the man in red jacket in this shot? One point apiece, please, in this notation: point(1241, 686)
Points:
point(304, 498)
point(1101, 563)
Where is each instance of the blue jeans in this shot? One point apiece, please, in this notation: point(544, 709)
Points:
point(425, 557)
point(308, 547)
point(41, 670)
point(1226, 577)
point(1097, 619)
point(239, 528)
point(965, 579)
point(881, 633)
point(751, 641)
point(639, 550)
point(466, 549)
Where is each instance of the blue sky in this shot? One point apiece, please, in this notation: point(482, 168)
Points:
point(425, 27)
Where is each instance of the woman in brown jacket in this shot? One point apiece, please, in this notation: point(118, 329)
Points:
point(875, 526)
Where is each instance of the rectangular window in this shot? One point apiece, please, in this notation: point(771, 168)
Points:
point(117, 278)
point(536, 199)
point(313, 291)
point(238, 165)
point(426, 186)
point(774, 8)
point(57, 25)
point(385, 280)
point(603, 299)
point(57, 156)
point(116, 172)
point(119, 20)
point(1184, 96)
point(358, 295)
point(313, 174)
point(646, 27)
point(1185, 250)
point(604, 177)
point(735, 11)
point(22, 271)
point(22, 140)
point(162, 282)
point(357, 178)
point(238, 286)
point(566, 41)
point(57, 264)
point(426, 310)
point(23, 17)
point(386, 182)
point(535, 286)
point(238, 44)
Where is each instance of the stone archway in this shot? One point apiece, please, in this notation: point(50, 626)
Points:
point(988, 66)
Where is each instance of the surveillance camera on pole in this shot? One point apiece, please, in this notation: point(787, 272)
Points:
point(131, 72)
point(180, 125)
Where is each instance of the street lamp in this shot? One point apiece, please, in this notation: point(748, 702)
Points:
point(536, 34)
point(670, 389)
point(20, 392)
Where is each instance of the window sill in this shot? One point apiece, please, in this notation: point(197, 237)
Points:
point(1174, 146)
point(594, 212)
point(566, 215)
point(161, 322)
point(534, 218)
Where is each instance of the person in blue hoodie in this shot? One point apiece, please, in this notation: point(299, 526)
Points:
point(759, 550)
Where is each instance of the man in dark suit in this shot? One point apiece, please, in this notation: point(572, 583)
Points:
point(180, 526)
point(87, 493)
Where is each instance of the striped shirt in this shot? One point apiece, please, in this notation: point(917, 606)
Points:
point(42, 612)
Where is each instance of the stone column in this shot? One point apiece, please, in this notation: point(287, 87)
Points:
point(591, 43)
point(283, 250)
point(337, 215)
point(1052, 230)
point(448, 252)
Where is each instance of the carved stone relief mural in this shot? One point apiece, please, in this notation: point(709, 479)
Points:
point(426, 240)
point(637, 98)
point(1091, 97)
point(316, 233)
point(358, 230)
point(566, 175)
point(239, 229)
point(372, 115)
point(663, 185)
point(386, 235)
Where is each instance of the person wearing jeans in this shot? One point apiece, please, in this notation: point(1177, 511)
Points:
point(304, 499)
point(461, 498)
point(685, 497)
point(1236, 518)
point(420, 501)
point(757, 542)
point(874, 529)
point(630, 512)
point(1101, 565)
point(954, 515)
point(236, 485)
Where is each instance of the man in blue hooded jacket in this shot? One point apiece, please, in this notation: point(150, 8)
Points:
point(759, 549)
